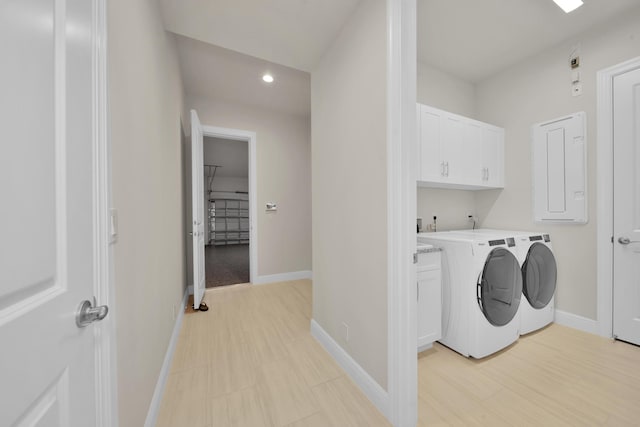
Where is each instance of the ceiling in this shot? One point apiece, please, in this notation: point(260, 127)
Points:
point(474, 39)
point(294, 33)
point(232, 156)
point(226, 45)
point(213, 72)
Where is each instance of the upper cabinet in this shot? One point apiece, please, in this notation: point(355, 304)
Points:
point(459, 152)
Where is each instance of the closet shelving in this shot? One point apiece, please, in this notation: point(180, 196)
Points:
point(228, 222)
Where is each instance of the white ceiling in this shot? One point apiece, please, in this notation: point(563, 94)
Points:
point(213, 72)
point(474, 39)
point(294, 33)
point(233, 156)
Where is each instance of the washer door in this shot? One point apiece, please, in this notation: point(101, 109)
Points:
point(500, 287)
point(539, 274)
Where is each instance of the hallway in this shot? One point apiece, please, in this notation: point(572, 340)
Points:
point(251, 361)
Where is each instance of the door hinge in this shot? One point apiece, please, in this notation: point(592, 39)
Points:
point(415, 258)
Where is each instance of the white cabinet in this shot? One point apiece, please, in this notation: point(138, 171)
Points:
point(458, 152)
point(429, 299)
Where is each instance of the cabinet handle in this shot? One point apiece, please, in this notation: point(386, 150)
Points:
point(447, 168)
point(487, 174)
point(442, 169)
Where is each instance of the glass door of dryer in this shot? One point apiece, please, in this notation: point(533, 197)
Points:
point(500, 287)
point(539, 275)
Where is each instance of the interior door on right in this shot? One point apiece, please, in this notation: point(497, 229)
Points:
point(626, 217)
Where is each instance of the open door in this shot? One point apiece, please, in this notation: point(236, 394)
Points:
point(197, 212)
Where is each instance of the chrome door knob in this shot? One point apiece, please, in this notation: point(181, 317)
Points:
point(88, 314)
point(624, 240)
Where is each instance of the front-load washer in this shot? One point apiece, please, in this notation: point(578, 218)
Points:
point(482, 289)
point(539, 276)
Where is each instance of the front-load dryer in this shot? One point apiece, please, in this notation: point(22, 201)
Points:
point(539, 276)
point(482, 289)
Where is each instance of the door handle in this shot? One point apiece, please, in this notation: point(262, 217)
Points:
point(626, 240)
point(88, 313)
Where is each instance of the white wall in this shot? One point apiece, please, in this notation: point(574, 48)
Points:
point(445, 91)
point(537, 90)
point(283, 175)
point(441, 90)
point(349, 168)
point(146, 101)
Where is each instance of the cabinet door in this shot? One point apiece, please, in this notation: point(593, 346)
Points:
point(493, 156)
point(429, 307)
point(452, 146)
point(431, 167)
point(470, 157)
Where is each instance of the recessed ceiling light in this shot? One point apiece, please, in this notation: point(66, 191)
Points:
point(267, 78)
point(569, 5)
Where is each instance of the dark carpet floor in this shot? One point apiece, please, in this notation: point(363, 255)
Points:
point(226, 265)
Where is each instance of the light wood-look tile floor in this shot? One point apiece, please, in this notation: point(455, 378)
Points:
point(554, 377)
point(251, 361)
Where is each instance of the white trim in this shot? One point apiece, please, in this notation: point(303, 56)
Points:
point(106, 389)
point(402, 366)
point(605, 193)
point(251, 139)
point(283, 277)
point(376, 394)
point(577, 322)
point(156, 400)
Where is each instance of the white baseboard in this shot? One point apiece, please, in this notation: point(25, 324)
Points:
point(283, 277)
point(577, 322)
point(156, 400)
point(376, 394)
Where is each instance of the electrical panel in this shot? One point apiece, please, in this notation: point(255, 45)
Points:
point(559, 154)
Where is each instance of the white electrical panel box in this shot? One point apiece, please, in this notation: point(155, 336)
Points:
point(559, 154)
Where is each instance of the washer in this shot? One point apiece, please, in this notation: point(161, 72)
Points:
point(482, 289)
point(539, 276)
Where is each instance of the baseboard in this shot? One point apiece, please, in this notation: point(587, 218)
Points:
point(376, 394)
point(156, 400)
point(283, 277)
point(577, 322)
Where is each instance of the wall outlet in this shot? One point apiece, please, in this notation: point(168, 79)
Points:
point(346, 331)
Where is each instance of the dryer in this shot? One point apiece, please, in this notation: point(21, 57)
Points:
point(539, 276)
point(482, 289)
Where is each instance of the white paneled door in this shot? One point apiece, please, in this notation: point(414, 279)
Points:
point(197, 197)
point(626, 223)
point(47, 217)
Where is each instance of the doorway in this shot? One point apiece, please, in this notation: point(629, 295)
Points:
point(195, 171)
point(619, 204)
point(226, 202)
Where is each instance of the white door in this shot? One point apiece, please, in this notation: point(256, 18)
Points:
point(431, 165)
point(47, 221)
point(626, 196)
point(453, 148)
point(197, 200)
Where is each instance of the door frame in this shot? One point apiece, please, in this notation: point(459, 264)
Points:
point(250, 138)
point(402, 174)
point(105, 228)
point(605, 193)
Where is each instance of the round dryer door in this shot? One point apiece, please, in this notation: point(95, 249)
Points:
point(539, 274)
point(500, 287)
